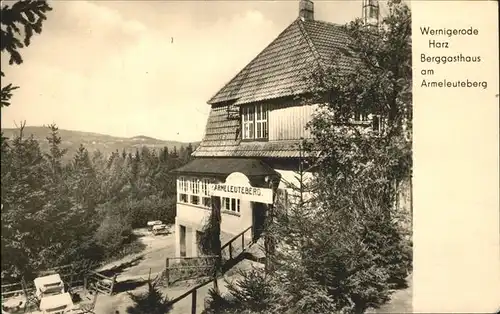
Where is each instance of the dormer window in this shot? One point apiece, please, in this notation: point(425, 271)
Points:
point(254, 122)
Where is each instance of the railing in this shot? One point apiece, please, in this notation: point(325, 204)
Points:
point(101, 283)
point(13, 290)
point(230, 246)
point(194, 294)
point(67, 273)
point(188, 267)
point(56, 270)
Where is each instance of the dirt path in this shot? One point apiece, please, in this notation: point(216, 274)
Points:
point(121, 300)
point(401, 301)
point(134, 269)
point(154, 244)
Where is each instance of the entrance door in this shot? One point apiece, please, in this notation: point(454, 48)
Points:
point(182, 240)
point(258, 219)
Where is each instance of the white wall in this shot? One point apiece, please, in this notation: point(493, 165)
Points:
point(191, 215)
point(233, 224)
point(194, 218)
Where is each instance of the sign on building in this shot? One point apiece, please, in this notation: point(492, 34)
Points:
point(238, 186)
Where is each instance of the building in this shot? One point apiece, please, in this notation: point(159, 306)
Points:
point(255, 126)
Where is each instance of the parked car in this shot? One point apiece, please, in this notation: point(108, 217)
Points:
point(160, 229)
point(151, 224)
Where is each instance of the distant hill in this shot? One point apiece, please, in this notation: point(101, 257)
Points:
point(107, 144)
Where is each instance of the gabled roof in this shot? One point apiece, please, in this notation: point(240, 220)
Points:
point(277, 73)
point(279, 70)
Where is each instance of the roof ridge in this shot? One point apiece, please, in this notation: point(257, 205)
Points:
point(313, 44)
point(247, 67)
point(329, 23)
point(310, 43)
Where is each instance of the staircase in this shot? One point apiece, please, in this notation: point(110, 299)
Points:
point(181, 269)
point(256, 251)
point(240, 248)
point(237, 245)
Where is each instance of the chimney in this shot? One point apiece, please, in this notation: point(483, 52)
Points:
point(306, 10)
point(371, 12)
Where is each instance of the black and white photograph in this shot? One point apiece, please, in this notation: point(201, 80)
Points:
point(206, 157)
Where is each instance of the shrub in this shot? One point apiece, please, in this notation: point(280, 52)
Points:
point(393, 251)
point(150, 302)
point(253, 293)
point(114, 231)
point(150, 208)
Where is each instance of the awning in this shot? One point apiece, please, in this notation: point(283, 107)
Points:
point(226, 166)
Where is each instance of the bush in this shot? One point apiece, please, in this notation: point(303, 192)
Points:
point(114, 231)
point(253, 293)
point(393, 251)
point(150, 208)
point(208, 240)
point(151, 302)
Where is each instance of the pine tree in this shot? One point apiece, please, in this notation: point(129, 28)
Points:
point(23, 196)
point(174, 152)
point(164, 155)
point(151, 302)
point(189, 151)
point(56, 153)
point(84, 180)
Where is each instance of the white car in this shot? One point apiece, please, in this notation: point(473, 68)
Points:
point(160, 229)
point(151, 224)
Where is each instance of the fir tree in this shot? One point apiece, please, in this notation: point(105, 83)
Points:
point(151, 302)
point(56, 153)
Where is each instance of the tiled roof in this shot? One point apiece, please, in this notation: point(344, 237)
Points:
point(279, 70)
point(225, 166)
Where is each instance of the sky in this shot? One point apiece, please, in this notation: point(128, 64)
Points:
point(129, 68)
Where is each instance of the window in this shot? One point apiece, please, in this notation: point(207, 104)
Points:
point(248, 122)
point(261, 122)
point(230, 204)
point(195, 186)
point(206, 201)
point(181, 184)
point(195, 200)
point(360, 117)
point(193, 191)
point(183, 198)
point(182, 190)
point(377, 124)
point(254, 120)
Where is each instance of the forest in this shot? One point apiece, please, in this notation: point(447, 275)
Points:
point(55, 212)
